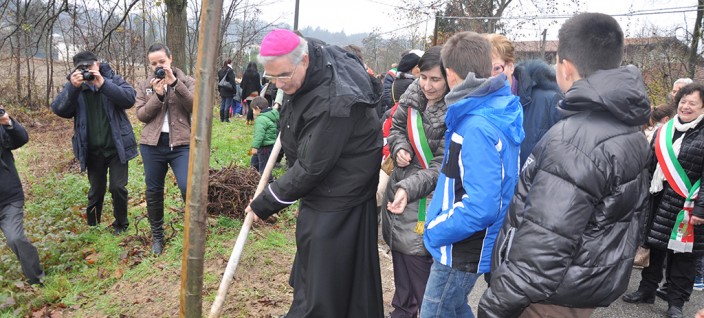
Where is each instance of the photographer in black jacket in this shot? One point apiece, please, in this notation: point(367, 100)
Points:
point(13, 136)
point(96, 98)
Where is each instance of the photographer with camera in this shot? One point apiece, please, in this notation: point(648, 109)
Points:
point(13, 136)
point(96, 98)
point(164, 104)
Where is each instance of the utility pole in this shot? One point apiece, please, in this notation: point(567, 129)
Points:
point(542, 45)
point(696, 34)
point(295, 17)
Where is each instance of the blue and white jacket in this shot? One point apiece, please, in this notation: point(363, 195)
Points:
point(478, 175)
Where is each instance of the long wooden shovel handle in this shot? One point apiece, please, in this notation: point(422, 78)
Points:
point(229, 275)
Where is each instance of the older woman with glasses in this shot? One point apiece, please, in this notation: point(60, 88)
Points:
point(534, 82)
point(676, 230)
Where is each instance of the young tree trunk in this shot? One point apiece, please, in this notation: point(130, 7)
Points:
point(195, 231)
point(176, 29)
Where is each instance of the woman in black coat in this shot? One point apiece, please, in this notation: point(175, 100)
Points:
point(226, 93)
point(251, 84)
point(678, 155)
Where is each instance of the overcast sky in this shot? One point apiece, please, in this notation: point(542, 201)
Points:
point(363, 16)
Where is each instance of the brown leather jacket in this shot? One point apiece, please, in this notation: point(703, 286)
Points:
point(178, 101)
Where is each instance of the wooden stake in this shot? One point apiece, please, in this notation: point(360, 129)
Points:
point(229, 275)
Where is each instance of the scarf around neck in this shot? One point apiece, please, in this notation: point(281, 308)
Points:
point(656, 185)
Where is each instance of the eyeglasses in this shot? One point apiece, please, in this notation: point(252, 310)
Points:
point(496, 69)
point(281, 77)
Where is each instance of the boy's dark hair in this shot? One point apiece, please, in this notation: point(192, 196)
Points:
point(260, 103)
point(432, 58)
point(468, 52)
point(159, 47)
point(592, 42)
point(689, 89)
point(84, 58)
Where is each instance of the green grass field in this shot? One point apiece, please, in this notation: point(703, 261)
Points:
point(81, 262)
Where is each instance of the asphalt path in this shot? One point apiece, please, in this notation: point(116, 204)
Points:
point(619, 308)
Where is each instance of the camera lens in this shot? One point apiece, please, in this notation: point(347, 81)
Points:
point(2, 112)
point(87, 75)
point(159, 72)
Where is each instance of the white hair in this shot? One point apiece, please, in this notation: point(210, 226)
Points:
point(684, 80)
point(294, 57)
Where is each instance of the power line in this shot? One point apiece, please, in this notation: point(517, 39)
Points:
point(551, 17)
point(670, 10)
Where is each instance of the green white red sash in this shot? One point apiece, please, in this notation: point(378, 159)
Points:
point(420, 145)
point(682, 236)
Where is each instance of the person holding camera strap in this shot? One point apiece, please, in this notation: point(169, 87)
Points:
point(164, 105)
point(96, 98)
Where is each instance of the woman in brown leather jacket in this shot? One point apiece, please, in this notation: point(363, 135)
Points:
point(164, 105)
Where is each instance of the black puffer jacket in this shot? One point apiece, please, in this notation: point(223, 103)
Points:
point(400, 84)
point(399, 229)
point(330, 135)
point(572, 229)
point(668, 203)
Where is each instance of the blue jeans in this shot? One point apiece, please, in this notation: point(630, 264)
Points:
point(447, 291)
point(236, 107)
point(157, 161)
point(225, 104)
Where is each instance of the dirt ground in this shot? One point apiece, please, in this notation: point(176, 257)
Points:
point(260, 288)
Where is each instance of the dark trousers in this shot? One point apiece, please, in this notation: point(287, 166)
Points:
point(681, 278)
point(98, 167)
point(157, 161)
point(554, 311)
point(263, 154)
point(225, 104)
point(12, 226)
point(410, 277)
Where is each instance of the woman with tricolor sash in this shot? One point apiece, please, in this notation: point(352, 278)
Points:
point(416, 142)
point(676, 230)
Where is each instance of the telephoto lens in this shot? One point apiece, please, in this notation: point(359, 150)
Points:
point(159, 72)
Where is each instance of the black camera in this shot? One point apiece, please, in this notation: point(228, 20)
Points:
point(159, 72)
point(2, 112)
point(87, 75)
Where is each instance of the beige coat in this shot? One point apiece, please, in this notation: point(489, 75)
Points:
point(178, 101)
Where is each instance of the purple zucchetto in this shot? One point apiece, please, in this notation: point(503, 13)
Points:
point(279, 42)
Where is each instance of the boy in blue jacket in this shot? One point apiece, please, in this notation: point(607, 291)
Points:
point(477, 178)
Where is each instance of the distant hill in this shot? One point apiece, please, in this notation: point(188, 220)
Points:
point(336, 38)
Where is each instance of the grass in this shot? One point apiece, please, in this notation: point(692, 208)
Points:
point(81, 262)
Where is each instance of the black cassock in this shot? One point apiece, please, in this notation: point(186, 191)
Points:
point(332, 140)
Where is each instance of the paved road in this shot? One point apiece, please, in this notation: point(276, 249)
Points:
point(620, 309)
